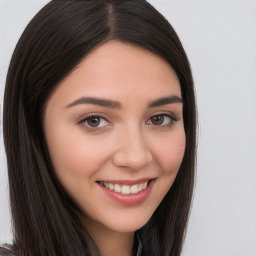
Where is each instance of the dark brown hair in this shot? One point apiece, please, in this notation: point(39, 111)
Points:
point(45, 219)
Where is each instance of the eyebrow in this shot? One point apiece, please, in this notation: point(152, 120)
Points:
point(96, 101)
point(117, 105)
point(165, 101)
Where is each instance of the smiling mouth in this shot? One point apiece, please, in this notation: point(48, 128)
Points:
point(125, 189)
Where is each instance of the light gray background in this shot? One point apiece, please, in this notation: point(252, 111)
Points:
point(220, 40)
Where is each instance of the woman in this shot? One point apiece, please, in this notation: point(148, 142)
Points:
point(99, 131)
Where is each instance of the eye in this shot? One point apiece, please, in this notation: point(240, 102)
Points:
point(94, 122)
point(162, 120)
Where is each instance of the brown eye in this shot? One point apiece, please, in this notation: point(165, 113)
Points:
point(163, 120)
point(157, 120)
point(93, 121)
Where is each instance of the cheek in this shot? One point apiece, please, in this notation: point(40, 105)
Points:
point(169, 153)
point(75, 155)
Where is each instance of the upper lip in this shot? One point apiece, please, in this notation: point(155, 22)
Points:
point(127, 182)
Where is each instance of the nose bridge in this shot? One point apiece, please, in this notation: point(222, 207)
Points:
point(132, 149)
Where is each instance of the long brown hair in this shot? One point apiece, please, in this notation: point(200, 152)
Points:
point(45, 219)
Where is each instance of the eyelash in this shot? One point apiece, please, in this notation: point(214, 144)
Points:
point(172, 120)
point(85, 120)
point(90, 117)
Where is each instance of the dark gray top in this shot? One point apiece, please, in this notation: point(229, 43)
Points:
point(5, 250)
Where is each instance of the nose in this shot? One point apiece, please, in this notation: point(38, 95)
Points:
point(132, 151)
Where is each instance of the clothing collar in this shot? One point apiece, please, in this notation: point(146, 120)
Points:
point(138, 245)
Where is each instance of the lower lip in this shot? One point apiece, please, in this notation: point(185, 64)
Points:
point(131, 199)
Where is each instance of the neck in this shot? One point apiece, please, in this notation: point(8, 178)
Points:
point(112, 242)
point(115, 243)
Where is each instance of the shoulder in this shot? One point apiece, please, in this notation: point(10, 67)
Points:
point(6, 251)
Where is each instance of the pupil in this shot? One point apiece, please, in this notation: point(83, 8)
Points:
point(157, 120)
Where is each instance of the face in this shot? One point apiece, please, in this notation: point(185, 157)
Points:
point(114, 131)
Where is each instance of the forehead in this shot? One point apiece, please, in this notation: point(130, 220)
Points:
point(116, 69)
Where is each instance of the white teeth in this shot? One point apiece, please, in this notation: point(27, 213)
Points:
point(144, 185)
point(117, 188)
point(125, 189)
point(135, 189)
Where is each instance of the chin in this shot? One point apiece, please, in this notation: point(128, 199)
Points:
point(129, 223)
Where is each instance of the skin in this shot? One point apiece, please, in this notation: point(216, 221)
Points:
point(126, 144)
